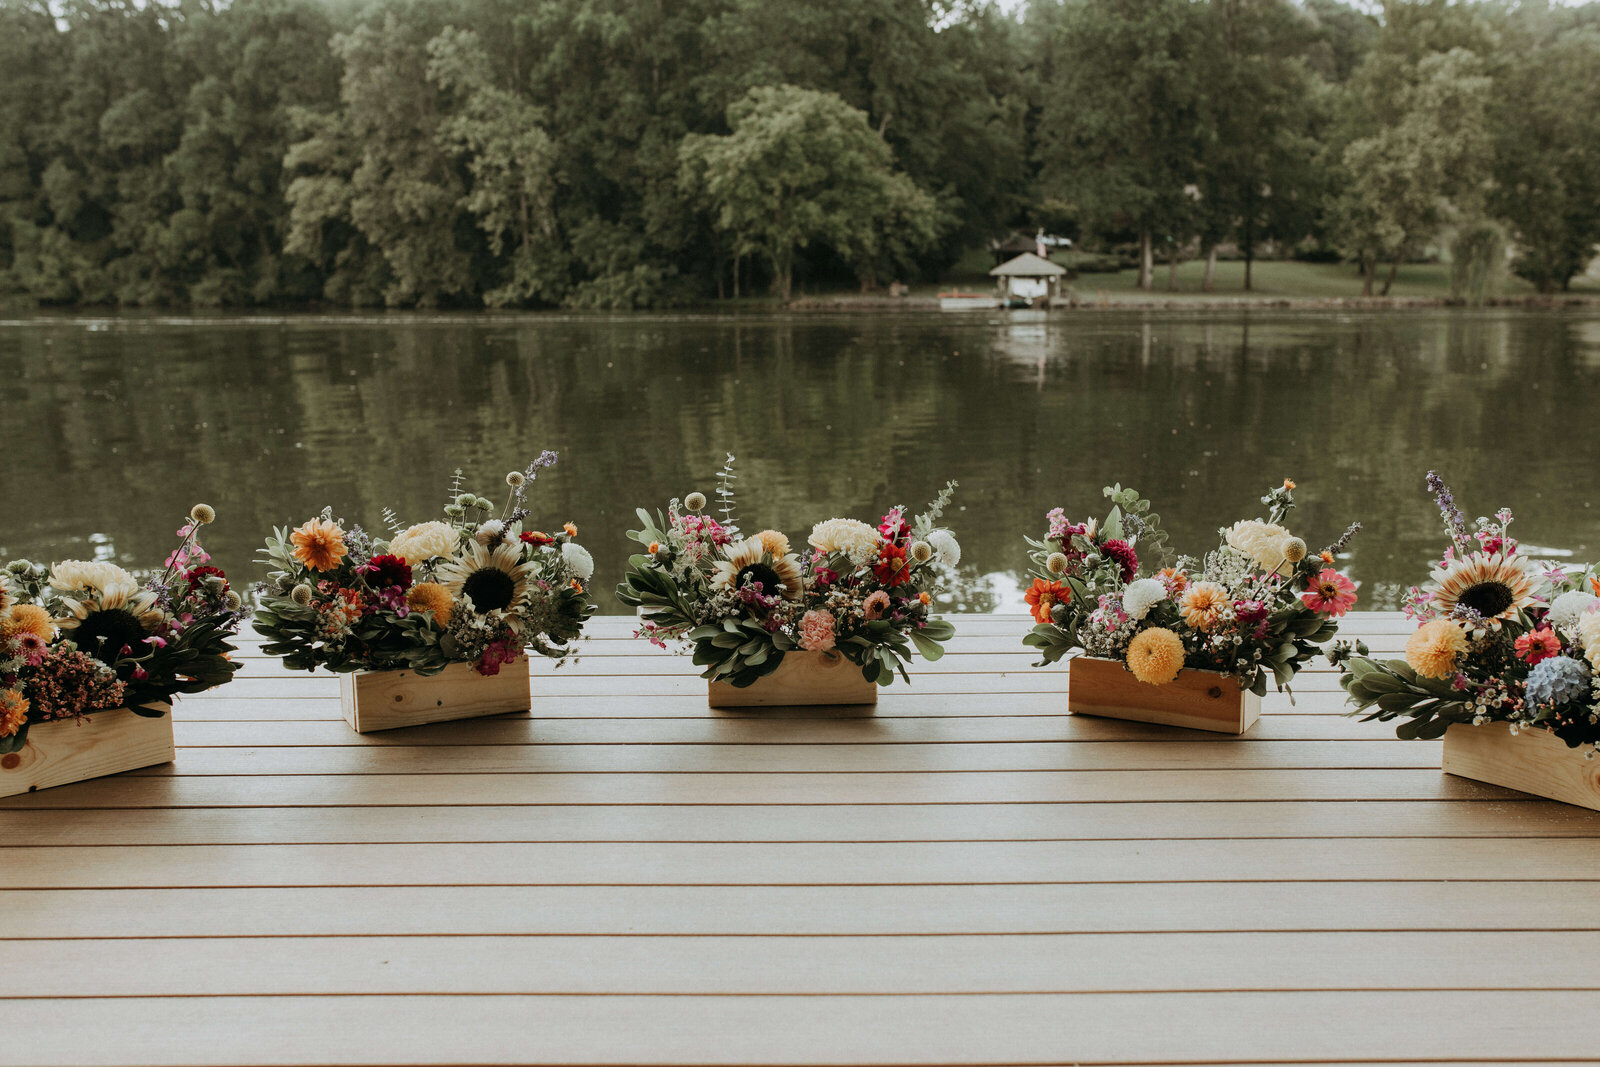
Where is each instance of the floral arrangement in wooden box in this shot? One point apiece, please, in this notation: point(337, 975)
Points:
point(1501, 637)
point(85, 636)
point(862, 591)
point(478, 586)
point(1259, 606)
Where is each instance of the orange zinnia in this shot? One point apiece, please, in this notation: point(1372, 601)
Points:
point(319, 544)
point(571, 528)
point(1043, 596)
point(1176, 581)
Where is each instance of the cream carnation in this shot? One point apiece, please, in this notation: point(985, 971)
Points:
point(80, 574)
point(1141, 596)
point(946, 548)
point(1589, 634)
point(578, 560)
point(1568, 608)
point(1267, 545)
point(850, 536)
point(425, 541)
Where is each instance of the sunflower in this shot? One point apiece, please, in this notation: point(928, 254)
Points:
point(748, 562)
point(108, 620)
point(1494, 586)
point(492, 579)
point(319, 545)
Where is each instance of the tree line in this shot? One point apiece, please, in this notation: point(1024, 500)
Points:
point(646, 153)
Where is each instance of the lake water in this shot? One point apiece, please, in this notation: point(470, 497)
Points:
point(116, 425)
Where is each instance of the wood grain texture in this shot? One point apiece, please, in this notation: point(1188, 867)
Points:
point(1194, 700)
point(1531, 761)
point(964, 873)
point(107, 742)
point(388, 700)
point(803, 679)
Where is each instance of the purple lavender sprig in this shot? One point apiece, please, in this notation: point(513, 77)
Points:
point(546, 459)
point(1455, 524)
point(1344, 539)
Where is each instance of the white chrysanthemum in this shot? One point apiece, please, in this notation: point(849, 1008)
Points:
point(1589, 634)
point(946, 549)
point(1142, 595)
point(1571, 606)
point(578, 560)
point(425, 541)
point(851, 536)
point(1266, 544)
point(81, 574)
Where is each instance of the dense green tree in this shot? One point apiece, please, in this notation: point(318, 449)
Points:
point(797, 168)
point(1547, 152)
point(1123, 121)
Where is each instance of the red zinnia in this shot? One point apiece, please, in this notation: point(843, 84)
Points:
point(1043, 596)
point(537, 538)
point(1538, 645)
point(892, 567)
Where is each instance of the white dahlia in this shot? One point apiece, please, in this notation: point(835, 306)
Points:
point(1142, 595)
point(578, 560)
point(946, 549)
point(850, 536)
point(1571, 606)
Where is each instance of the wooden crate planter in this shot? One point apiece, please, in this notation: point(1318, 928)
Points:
point(802, 679)
point(1533, 761)
point(388, 700)
point(1198, 700)
point(109, 742)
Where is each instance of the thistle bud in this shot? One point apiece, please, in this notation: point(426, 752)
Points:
point(921, 551)
point(301, 594)
point(203, 514)
point(1294, 550)
point(233, 600)
point(695, 501)
point(516, 479)
point(1056, 563)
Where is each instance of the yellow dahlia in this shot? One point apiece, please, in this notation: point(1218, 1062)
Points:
point(1155, 656)
point(1203, 604)
point(491, 579)
point(13, 712)
point(1496, 587)
point(425, 541)
point(319, 545)
point(431, 596)
point(1433, 649)
point(750, 561)
point(27, 619)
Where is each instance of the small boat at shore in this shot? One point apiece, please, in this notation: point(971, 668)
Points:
point(959, 301)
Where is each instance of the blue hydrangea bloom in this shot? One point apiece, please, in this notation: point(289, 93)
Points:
point(1558, 680)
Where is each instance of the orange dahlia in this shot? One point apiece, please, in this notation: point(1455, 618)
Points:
point(1175, 580)
point(319, 544)
point(1043, 596)
point(1155, 656)
point(13, 712)
point(1203, 604)
point(1433, 650)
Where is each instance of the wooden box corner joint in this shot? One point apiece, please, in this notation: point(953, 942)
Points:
point(389, 700)
point(70, 750)
point(1196, 700)
point(803, 679)
point(1531, 761)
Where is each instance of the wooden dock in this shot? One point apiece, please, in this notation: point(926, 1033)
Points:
point(963, 875)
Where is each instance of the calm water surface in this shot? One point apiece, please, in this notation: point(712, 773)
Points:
point(116, 425)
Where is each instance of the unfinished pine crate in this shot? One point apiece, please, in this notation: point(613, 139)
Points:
point(388, 700)
point(1533, 761)
point(803, 678)
point(72, 750)
point(1197, 700)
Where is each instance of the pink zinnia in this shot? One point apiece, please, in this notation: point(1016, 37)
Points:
point(1538, 645)
point(1331, 593)
point(875, 605)
point(816, 631)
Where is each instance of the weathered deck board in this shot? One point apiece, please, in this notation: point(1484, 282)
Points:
point(964, 874)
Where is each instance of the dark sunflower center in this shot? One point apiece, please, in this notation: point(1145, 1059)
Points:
point(1487, 598)
point(490, 589)
point(104, 633)
point(758, 574)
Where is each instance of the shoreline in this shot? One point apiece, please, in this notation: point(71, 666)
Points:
point(1207, 303)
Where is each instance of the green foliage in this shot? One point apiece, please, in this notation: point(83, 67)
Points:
point(1477, 262)
point(1390, 689)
